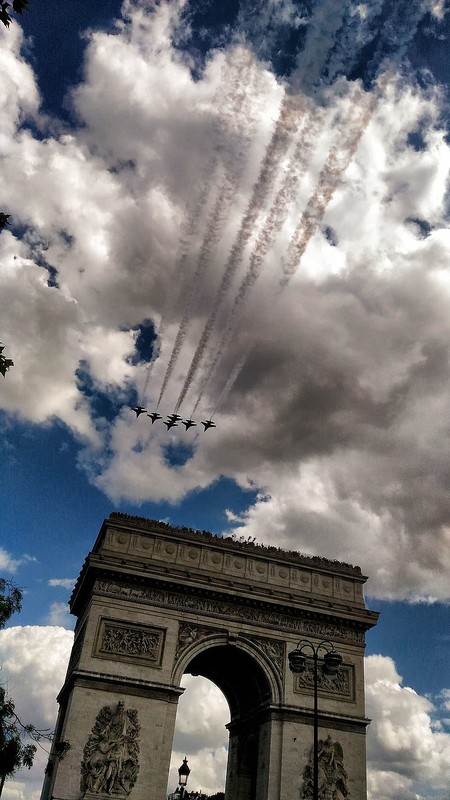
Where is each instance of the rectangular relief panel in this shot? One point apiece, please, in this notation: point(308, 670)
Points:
point(338, 687)
point(137, 644)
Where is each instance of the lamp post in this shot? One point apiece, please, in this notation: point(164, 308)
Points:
point(183, 775)
point(331, 663)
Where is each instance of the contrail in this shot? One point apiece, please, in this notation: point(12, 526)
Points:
point(327, 19)
point(358, 30)
point(235, 109)
point(212, 236)
point(329, 179)
point(273, 224)
point(396, 34)
point(286, 125)
point(234, 374)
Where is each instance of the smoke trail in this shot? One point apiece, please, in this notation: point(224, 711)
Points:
point(235, 109)
point(330, 176)
point(212, 236)
point(285, 127)
point(272, 226)
point(358, 28)
point(321, 36)
point(230, 382)
point(324, 25)
point(397, 32)
point(155, 354)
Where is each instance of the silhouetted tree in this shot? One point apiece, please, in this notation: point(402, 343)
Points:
point(5, 363)
point(14, 753)
point(17, 6)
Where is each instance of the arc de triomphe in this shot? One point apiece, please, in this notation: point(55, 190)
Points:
point(154, 602)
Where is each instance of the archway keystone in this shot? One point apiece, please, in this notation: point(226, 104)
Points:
point(154, 602)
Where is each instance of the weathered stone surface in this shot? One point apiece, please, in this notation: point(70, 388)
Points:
point(154, 602)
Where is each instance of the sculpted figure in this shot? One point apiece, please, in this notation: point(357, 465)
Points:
point(110, 758)
point(332, 775)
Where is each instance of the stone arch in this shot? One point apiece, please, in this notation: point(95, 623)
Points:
point(256, 660)
point(251, 686)
point(153, 602)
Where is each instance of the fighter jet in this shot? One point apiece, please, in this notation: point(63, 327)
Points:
point(175, 417)
point(139, 410)
point(170, 423)
point(154, 416)
point(189, 423)
point(209, 424)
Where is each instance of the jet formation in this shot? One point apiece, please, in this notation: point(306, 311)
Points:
point(172, 419)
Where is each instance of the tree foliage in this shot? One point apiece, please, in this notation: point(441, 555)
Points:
point(5, 363)
point(14, 752)
point(10, 600)
point(17, 6)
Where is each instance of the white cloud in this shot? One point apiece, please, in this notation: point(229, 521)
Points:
point(200, 732)
point(34, 662)
point(65, 583)
point(7, 562)
point(59, 614)
point(403, 744)
point(408, 753)
point(339, 413)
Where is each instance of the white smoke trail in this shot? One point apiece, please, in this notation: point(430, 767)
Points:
point(357, 30)
point(286, 125)
point(235, 113)
point(273, 224)
point(212, 235)
point(397, 32)
point(234, 374)
point(326, 21)
point(155, 354)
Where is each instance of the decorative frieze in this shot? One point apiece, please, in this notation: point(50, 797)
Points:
point(129, 642)
point(229, 610)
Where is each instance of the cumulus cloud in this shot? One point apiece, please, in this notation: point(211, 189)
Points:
point(65, 583)
point(59, 614)
point(339, 412)
point(7, 562)
point(200, 731)
point(408, 745)
point(408, 757)
point(34, 662)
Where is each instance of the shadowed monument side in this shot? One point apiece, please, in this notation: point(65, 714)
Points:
point(154, 602)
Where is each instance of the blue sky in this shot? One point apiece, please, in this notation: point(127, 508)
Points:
point(237, 210)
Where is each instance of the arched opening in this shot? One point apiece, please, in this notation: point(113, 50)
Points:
point(201, 735)
point(247, 691)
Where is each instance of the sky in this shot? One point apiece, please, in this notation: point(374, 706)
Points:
point(235, 212)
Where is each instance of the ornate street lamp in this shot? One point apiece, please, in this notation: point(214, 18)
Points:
point(330, 665)
point(183, 775)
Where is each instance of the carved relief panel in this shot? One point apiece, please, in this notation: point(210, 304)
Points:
point(340, 686)
point(110, 762)
point(139, 644)
point(332, 775)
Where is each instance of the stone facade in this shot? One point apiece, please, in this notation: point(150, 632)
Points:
point(154, 602)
